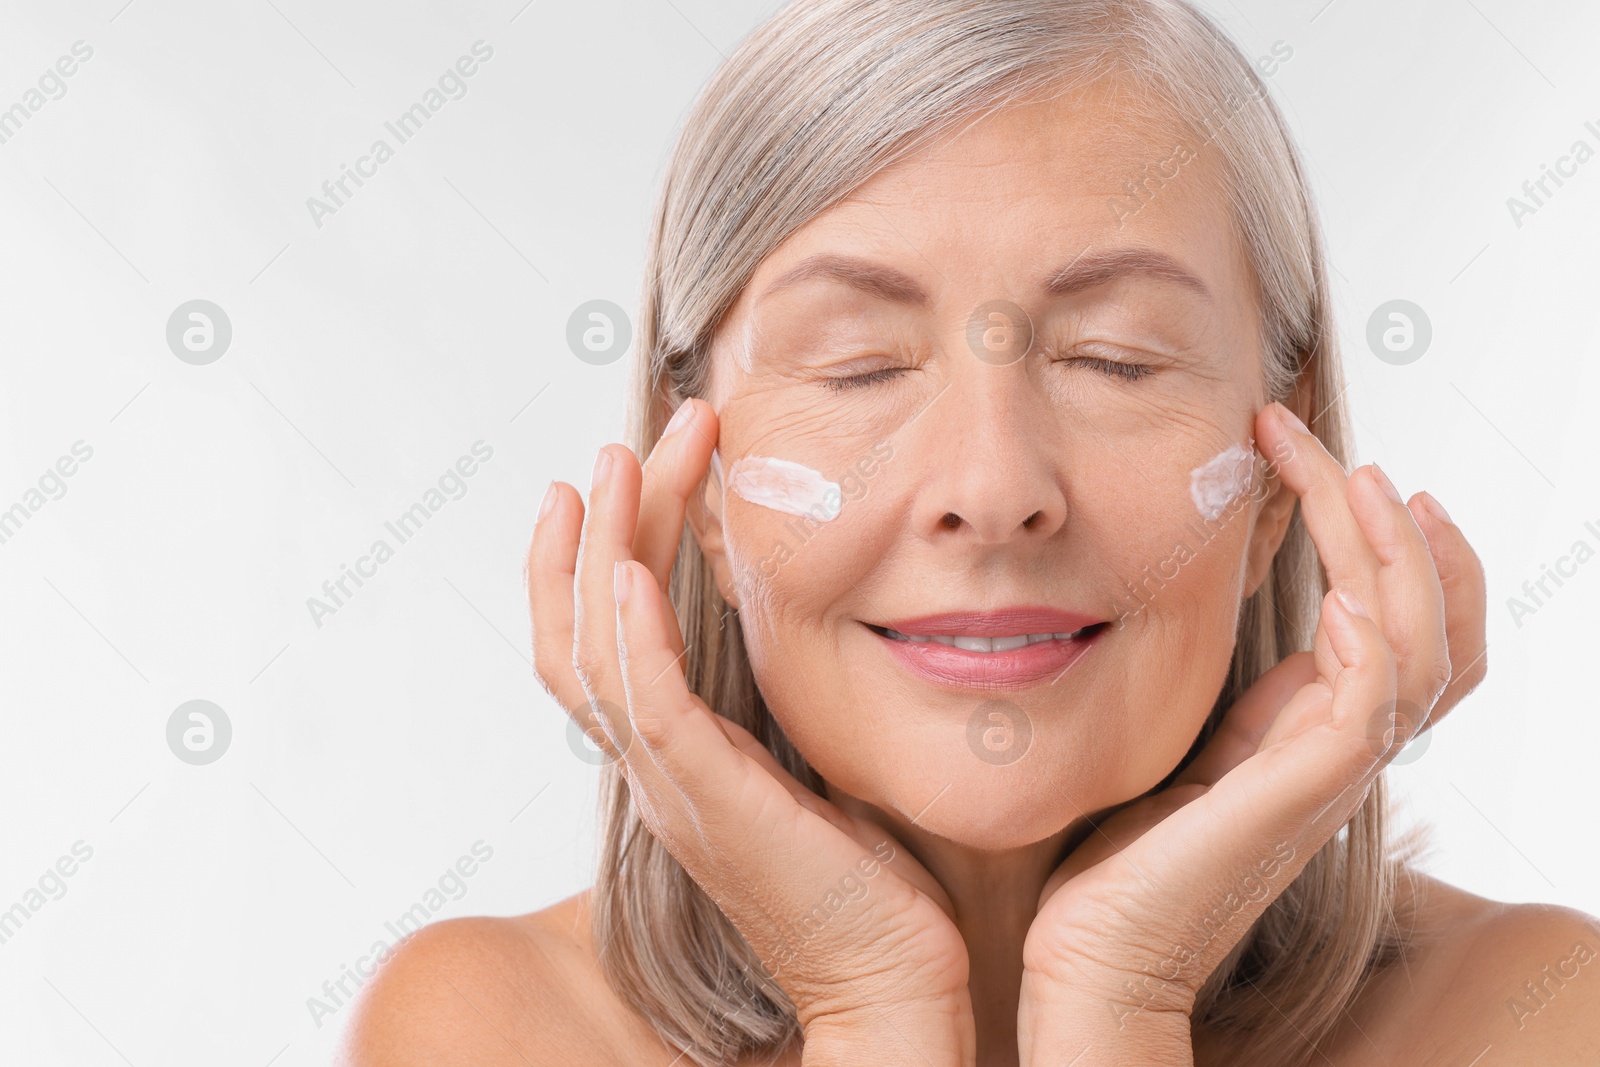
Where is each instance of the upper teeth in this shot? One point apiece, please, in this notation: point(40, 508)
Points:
point(982, 644)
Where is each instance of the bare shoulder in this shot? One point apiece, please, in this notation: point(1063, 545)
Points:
point(524, 990)
point(1486, 983)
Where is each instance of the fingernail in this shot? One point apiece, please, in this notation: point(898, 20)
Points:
point(546, 504)
point(1437, 508)
point(1348, 599)
point(1292, 419)
point(602, 466)
point(679, 420)
point(1385, 484)
point(621, 581)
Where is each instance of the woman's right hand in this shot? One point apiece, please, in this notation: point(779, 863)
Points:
point(855, 931)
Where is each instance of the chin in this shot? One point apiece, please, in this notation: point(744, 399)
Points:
point(985, 806)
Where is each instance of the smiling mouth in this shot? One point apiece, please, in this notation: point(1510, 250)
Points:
point(985, 651)
point(985, 645)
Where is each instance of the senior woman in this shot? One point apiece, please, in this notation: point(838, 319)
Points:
point(976, 691)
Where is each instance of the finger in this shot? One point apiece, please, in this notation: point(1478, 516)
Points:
point(682, 739)
point(747, 743)
point(1312, 474)
point(1461, 578)
point(1362, 684)
point(1239, 734)
point(551, 563)
point(866, 833)
point(674, 469)
point(1316, 760)
point(607, 537)
point(1412, 618)
point(1253, 832)
point(719, 812)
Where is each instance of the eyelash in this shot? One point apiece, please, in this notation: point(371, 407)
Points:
point(1128, 372)
point(856, 381)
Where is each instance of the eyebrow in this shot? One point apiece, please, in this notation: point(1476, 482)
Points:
point(1085, 272)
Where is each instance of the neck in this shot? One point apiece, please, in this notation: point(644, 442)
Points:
point(995, 895)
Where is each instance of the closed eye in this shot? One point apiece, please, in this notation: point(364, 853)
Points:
point(1116, 368)
point(1128, 372)
point(839, 384)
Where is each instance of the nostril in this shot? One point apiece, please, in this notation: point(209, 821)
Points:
point(950, 521)
point(1027, 523)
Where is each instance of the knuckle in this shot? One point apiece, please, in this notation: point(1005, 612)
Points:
point(546, 671)
point(649, 725)
point(1439, 675)
point(587, 661)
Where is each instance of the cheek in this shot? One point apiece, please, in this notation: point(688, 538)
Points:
point(782, 485)
point(1174, 534)
point(1174, 539)
point(795, 481)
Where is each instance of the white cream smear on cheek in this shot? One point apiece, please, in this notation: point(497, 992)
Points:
point(782, 485)
point(1214, 484)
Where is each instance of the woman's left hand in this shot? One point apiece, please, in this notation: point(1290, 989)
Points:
point(1139, 915)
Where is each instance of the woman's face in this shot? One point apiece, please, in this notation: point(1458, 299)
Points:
point(989, 476)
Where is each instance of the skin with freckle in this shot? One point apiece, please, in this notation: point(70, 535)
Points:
point(1052, 479)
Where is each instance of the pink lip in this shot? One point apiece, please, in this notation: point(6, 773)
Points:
point(1019, 668)
point(1002, 622)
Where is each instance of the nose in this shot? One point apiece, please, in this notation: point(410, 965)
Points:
point(992, 473)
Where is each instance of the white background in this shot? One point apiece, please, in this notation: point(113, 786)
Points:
point(428, 313)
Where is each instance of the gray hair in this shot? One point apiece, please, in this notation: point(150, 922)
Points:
point(806, 109)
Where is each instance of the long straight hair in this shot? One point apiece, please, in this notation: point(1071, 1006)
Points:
point(808, 107)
